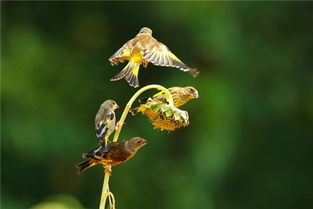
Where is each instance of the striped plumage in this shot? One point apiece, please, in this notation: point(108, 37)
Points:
point(181, 95)
point(141, 50)
point(105, 121)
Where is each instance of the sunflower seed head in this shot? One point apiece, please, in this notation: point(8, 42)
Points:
point(163, 116)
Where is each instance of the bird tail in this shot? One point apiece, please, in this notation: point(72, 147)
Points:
point(130, 73)
point(82, 166)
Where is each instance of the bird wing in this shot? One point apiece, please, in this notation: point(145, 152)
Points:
point(122, 54)
point(161, 95)
point(103, 125)
point(158, 54)
point(117, 152)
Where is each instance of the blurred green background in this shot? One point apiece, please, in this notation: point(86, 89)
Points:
point(249, 144)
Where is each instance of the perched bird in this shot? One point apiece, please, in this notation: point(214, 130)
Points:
point(141, 50)
point(118, 152)
point(105, 121)
point(181, 95)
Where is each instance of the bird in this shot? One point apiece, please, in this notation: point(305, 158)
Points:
point(144, 49)
point(118, 152)
point(105, 122)
point(181, 95)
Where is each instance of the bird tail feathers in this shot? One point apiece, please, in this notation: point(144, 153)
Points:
point(82, 166)
point(130, 73)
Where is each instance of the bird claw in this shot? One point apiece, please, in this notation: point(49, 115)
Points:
point(118, 125)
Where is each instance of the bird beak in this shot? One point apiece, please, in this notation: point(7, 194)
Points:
point(196, 95)
point(116, 106)
point(145, 142)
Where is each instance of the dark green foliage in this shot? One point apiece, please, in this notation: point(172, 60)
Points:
point(249, 142)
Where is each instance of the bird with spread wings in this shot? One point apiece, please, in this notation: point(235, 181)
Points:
point(141, 50)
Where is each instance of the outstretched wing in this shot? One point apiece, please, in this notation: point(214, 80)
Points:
point(158, 54)
point(122, 54)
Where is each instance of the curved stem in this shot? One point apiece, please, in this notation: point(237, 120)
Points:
point(169, 98)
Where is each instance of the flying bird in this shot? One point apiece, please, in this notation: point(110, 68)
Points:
point(105, 121)
point(141, 50)
point(118, 152)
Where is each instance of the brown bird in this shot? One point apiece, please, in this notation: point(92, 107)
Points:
point(105, 121)
point(181, 95)
point(118, 152)
point(141, 50)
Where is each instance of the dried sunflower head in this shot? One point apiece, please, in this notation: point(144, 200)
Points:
point(164, 116)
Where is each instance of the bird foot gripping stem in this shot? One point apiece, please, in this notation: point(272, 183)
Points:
point(119, 124)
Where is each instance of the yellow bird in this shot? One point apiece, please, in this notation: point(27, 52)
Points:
point(141, 50)
point(181, 95)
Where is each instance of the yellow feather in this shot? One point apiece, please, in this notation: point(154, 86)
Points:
point(173, 57)
point(126, 53)
point(135, 70)
point(106, 138)
point(136, 57)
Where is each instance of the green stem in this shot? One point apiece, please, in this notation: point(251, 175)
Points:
point(105, 189)
point(169, 98)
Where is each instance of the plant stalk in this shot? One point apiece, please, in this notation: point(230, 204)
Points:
point(107, 169)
